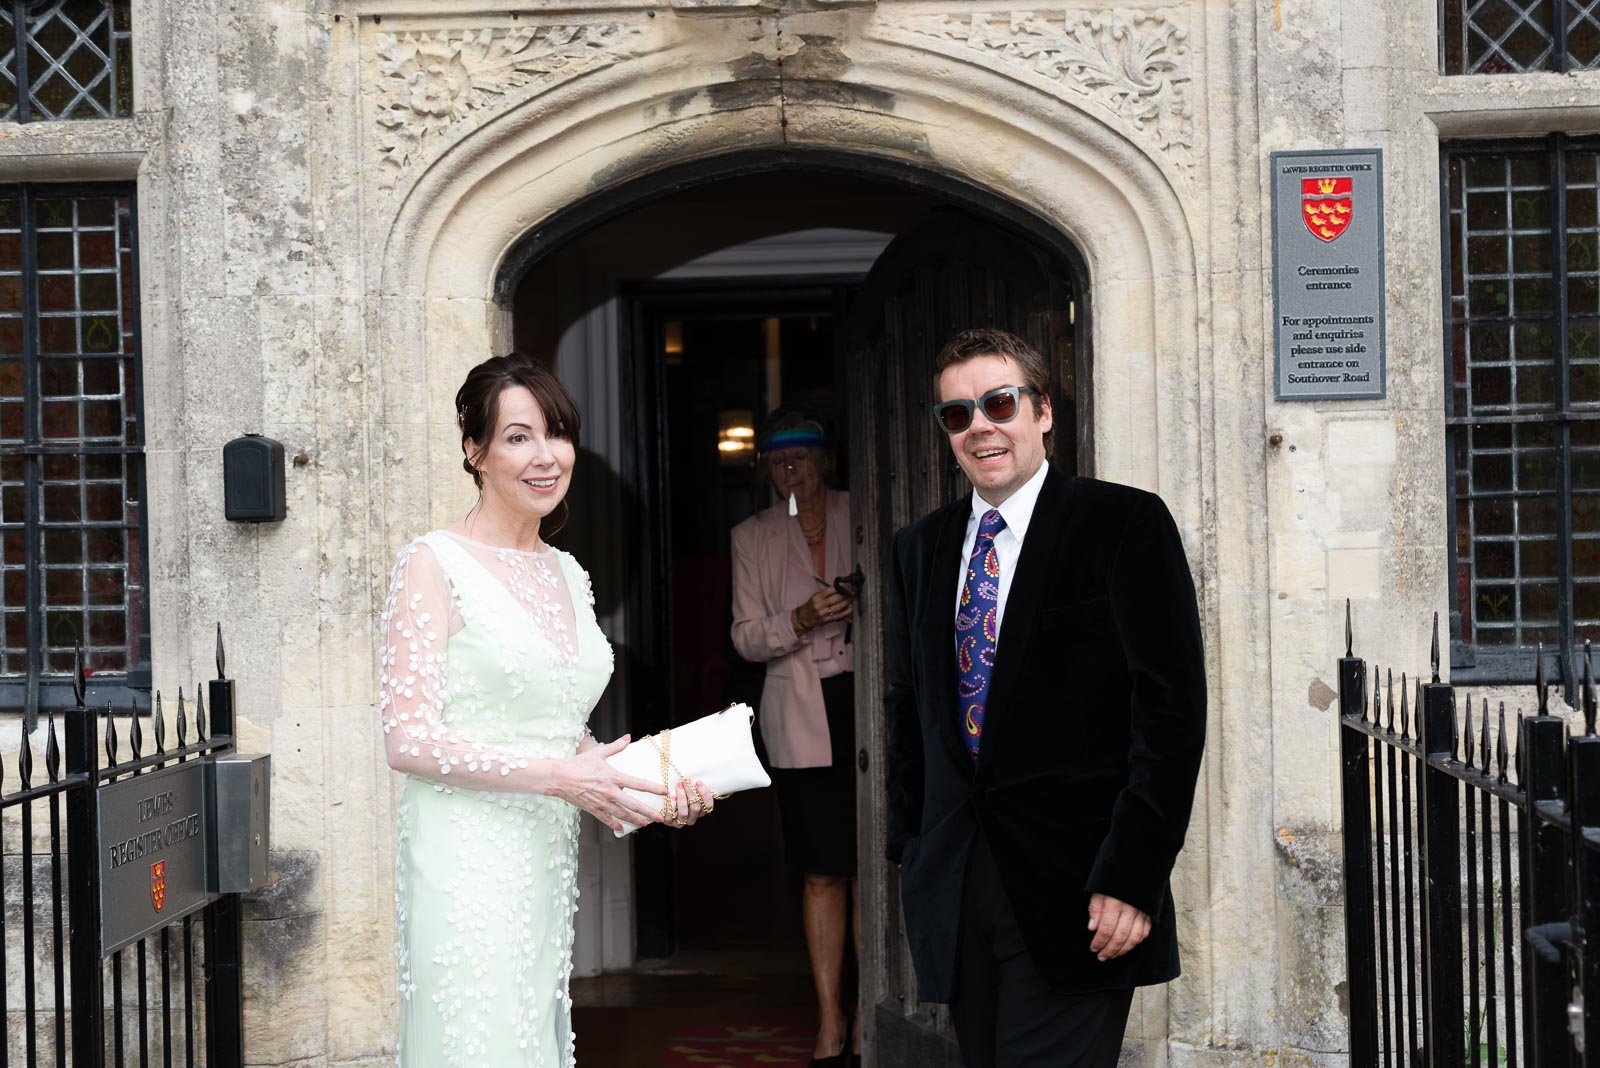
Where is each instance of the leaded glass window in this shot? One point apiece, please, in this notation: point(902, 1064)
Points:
point(74, 60)
point(1510, 36)
point(72, 519)
point(1522, 320)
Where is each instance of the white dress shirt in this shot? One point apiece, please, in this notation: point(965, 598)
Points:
point(1016, 511)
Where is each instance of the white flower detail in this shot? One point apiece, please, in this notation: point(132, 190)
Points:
point(493, 691)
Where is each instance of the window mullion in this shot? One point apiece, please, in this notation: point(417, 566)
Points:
point(1461, 613)
point(19, 55)
point(140, 620)
point(1564, 600)
point(32, 462)
point(1446, 38)
point(1560, 10)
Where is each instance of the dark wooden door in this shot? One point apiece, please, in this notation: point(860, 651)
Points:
point(950, 273)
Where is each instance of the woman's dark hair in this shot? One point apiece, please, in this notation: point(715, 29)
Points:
point(970, 344)
point(478, 404)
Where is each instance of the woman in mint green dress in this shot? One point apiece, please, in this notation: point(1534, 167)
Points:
point(491, 662)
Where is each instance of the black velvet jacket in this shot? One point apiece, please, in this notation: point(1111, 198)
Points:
point(1092, 732)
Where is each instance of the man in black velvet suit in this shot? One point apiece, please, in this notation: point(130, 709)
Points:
point(1046, 708)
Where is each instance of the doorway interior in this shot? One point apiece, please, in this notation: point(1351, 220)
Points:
point(727, 299)
point(711, 298)
point(726, 357)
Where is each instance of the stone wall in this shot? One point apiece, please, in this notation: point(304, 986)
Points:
point(327, 189)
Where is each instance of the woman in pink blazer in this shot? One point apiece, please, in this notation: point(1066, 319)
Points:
point(787, 615)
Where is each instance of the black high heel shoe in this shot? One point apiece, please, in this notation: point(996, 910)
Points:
point(844, 1058)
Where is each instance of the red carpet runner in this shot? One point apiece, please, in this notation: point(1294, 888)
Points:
point(736, 1046)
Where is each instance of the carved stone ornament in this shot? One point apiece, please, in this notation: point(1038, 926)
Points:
point(1133, 63)
point(429, 82)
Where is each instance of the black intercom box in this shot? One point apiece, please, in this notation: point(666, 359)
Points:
point(252, 479)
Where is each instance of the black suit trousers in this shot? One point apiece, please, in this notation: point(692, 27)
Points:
point(1005, 1014)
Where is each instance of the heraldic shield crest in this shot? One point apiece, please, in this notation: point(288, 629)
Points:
point(1327, 206)
point(158, 884)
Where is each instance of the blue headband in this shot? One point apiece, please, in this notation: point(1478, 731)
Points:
point(799, 437)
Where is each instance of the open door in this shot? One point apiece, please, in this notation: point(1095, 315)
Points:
point(951, 272)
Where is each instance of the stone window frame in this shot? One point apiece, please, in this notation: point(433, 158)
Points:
point(1538, 431)
point(43, 686)
point(80, 50)
point(1518, 36)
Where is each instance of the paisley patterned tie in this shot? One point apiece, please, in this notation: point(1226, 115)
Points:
point(978, 628)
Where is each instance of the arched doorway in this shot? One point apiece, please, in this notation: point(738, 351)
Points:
point(565, 153)
point(647, 298)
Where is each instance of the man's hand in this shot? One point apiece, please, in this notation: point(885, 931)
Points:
point(1117, 926)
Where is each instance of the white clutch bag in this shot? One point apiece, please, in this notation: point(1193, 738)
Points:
point(716, 750)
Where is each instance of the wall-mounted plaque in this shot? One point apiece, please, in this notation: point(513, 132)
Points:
point(154, 857)
point(1327, 274)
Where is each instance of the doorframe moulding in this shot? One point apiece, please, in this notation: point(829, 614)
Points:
point(463, 213)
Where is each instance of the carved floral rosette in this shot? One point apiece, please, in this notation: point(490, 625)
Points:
point(1134, 63)
point(432, 82)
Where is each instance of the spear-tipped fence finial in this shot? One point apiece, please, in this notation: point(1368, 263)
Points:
point(200, 715)
point(1521, 776)
point(1588, 688)
point(80, 678)
point(1416, 709)
point(1466, 734)
point(1483, 742)
point(1539, 681)
point(161, 727)
point(111, 736)
point(135, 731)
point(1502, 754)
point(1389, 685)
point(52, 750)
point(1377, 697)
point(1455, 717)
point(183, 722)
point(222, 659)
point(1405, 712)
point(25, 760)
point(1434, 653)
point(1349, 632)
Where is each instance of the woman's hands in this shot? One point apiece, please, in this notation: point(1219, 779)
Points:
point(588, 782)
point(690, 810)
point(825, 606)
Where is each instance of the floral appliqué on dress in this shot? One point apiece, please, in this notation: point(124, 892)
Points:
point(488, 661)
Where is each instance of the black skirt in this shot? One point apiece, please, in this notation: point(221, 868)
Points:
point(818, 805)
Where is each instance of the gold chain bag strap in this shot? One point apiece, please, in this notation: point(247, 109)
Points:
point(662, 743)
point(717, 750)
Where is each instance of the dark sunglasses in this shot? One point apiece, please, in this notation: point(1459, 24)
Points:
point(999, 406)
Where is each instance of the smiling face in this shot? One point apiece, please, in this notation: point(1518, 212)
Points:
point(526, 466)
point(798, 471)
point(996, 457)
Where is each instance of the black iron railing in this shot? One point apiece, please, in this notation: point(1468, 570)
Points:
point(174, 996)
point(1472, 875)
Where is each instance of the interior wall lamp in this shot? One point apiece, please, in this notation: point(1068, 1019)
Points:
point(736, 437)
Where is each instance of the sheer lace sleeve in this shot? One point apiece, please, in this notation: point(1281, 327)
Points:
point(416, 625)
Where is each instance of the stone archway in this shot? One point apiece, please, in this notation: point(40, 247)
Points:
point(639, 105)
point(1102, 154)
